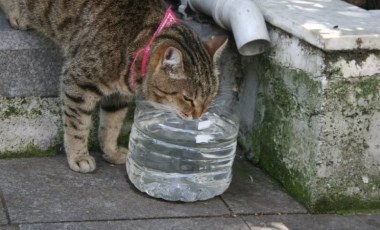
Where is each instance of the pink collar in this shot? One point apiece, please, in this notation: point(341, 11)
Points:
point(168, 20)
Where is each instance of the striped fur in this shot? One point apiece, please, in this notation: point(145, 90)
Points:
point(98, 39)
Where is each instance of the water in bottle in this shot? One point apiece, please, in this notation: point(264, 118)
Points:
point(181, 160)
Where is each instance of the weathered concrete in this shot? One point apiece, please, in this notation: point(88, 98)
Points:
point(251, 192)
point(315, 123)
point(29, 125)
point(315, 222)
point(32, 126)
point(45, 190)
point(43, 194)
point(162, 224)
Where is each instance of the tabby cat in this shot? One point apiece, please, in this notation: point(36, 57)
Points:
point(99, 40)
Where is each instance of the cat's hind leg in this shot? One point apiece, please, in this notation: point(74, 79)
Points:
point(112, 113)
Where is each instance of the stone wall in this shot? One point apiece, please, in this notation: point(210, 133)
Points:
point(316, 121)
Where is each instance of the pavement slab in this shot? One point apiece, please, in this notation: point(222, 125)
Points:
point(227, 223)
point(44, 194)
point(40, 190)
point(253, 192)
point(9, 228)
point(314, 222)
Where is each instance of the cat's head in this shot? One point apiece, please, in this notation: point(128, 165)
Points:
point(182, 73)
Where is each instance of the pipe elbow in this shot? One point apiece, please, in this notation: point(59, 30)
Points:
point(243, 18)
point(247, 23)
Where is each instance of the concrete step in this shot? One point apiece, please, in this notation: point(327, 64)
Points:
point(29, 64)
point(29, 109)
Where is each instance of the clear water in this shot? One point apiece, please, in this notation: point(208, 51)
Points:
point(180, 160)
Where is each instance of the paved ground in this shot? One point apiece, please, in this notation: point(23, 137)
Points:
point(43, 194)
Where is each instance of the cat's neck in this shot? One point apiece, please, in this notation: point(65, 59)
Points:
point(141, 56)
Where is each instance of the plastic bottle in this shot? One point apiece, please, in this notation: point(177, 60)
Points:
point(181, 160)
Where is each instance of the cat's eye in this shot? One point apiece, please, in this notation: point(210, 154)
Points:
point(186, 98)
point(163, 93)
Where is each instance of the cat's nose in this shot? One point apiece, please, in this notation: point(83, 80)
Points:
point(197, 113)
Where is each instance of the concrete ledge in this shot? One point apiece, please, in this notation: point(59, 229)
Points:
point(29, 125)
point(327, 24)
point(32, 126)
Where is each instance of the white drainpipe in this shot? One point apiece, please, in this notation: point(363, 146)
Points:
point(242, 17)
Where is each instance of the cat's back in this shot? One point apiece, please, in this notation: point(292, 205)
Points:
point(66, 20)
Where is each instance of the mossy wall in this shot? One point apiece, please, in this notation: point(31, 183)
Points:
point(284, 136)
point(318, 135)
point(32, 126)
point(348, 178)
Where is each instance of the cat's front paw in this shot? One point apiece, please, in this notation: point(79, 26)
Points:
point(82, 164)
point(116, 157)
point(17, 24)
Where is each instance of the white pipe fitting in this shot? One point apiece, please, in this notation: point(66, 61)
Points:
point(242, 17)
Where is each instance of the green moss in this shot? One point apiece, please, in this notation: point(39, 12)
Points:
point(31, 151)
point(359, 56)
point(285, 96)
point(368, 87)
point(340, 90)
point(36, 112)
point(20, 107)
point(12, 111)
point(270, 158)
point(287, 100)
point(32, 107)
point(345, 205)
point(294, 181)
point(345, 94)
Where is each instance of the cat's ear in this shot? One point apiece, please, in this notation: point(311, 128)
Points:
point(172, 63)
point(172, 57)
point(215, 44)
